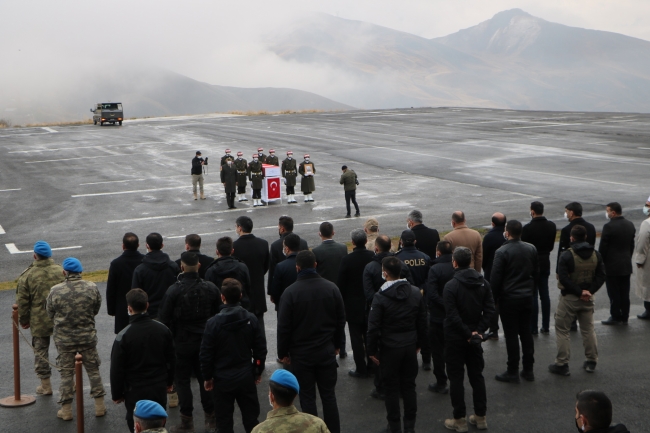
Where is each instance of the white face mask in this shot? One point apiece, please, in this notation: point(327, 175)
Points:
point(289, 158)
point(229, 162)
point(646, 210)
point(505, 235)
point(254, 159)
point(306, 159)
point(408, 227)
point(566, 217)
point(227, 154)
point(270, 402)
point(383, 275)
point(607, 215)
point(452, 226)
point(531, 216)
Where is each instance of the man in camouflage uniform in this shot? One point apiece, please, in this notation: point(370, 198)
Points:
point(72, 306)
point(290, 173)
point(226, 157)
point(242, 173)
point(256, 176)
point(260, 155)
point(272, 159)
point(34, 285)
point(307, 184)
point(149, 417)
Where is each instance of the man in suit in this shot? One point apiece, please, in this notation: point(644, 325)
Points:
point(193, 245)
point(491, 243)
point(616, 248)
point(120, 276)
point(426, 239)
point(329, 253)
point(285, 273)
point(285, 226)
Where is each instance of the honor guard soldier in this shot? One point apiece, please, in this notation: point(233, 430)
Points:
point(290, 173)
point(226, 157)
point(307, 185)
point(242, 173)
point(272, 159)
point(197, 173)
point(229, 181)
point(260, 155)
point(256, 176)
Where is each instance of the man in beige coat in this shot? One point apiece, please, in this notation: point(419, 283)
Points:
point(463, 236)
point(371, 227)
point(641, 252)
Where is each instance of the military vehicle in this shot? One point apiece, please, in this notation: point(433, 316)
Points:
point(108, 112)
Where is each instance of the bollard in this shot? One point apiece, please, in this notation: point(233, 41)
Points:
point(79, 384)
point(17, 399)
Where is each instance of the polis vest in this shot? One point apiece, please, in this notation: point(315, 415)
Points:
point(584, 270)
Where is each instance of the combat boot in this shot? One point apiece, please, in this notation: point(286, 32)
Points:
point(65, 413)
point(202, 196)
point(194, 196)
point(186, 425)
point(100, 407)
point(459, 425)
point(172, 399)
point(210, 422)
point(45, 388)
point(479, 421)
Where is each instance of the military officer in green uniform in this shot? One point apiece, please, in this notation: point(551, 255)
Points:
point(33, 286)
point(272, 159)
point(149, 417)
point(260, 155)
point(72, 306)
point(307, 184)
point(242, 173)
point(290, 173)
point(229, 181)
point(226, 157)
point(256, 176)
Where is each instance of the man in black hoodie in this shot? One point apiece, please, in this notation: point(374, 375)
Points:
point(120, 276)
point(285, 273)
point(398, 317)
point(594, 413)
point(469, 308)
point(193, 245)
point(233, 353)
point(228, 266)
point(285, 226)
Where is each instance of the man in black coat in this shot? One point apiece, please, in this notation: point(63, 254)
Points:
point(513, 285)
point(491, 243)
point(440, 274)
point(310, 328)
point(397, 328)
point(254, 252)
point(229, 181)
point(285, 226)
point(285, 273)
point(573, 213)
point(228, 266)
point(142, 360)
point(193, 245)
point(540, 233)
point(155, 274)
point(426, 238)
point(616, 248)
point(329, 253)
point(120, 276)
point(350, 283)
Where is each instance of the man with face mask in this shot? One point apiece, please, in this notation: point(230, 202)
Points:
point(573, 214)
point(594, 413)
point(260, 155)
point(229, 181)
point(197, 173)
point(641, 252)
point(307, 184)
point(242, 173)
point(272, 159)
point(492, 241)
point(285, 272)
point(290, 173)
point(228, 156)
point(256, 176)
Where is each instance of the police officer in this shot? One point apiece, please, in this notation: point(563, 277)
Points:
point(242, 172)
point(33, 286)
point(289, 173)
point(229, 181)
point(272, 159)
point(226, 157)
point(307, 184)
point(260, 155)
point(72, 306)
point(256, 176)
point(197, 173)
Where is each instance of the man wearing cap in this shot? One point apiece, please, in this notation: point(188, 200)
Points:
point(229, 181)
point(260, 155)
point(290, 173)
point(350, 182)
point(256, 176)
point(371, 227)
point(272, 159)
point(197, 173)
point(307, 184)
point(149, 417)
point(242, 173)
point(228, 156)
point(72, 306)
point(32, 288)
point(285, 418)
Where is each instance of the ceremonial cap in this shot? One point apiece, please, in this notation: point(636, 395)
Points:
point(42, 248)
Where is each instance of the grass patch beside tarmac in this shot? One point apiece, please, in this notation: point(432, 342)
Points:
point(94, 276)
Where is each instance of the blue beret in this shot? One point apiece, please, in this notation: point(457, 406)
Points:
point(286, 379)
point(147, 409)
point(72, 265)
point(42, 248)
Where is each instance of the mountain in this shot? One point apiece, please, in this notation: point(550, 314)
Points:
point(513, 60)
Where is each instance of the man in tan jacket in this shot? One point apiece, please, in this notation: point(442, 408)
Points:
point(463, 236)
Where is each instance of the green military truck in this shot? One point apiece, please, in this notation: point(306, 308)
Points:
point(108, 112)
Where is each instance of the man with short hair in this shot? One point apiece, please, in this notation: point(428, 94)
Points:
point(491, 243)
point(193, 245)
point(142, 359)
point(197, 173)
point(186, 308)
point(285, 418)
point(329, 253)
point(581, 273)
point(426, 238)
point(573, 214)
point(120, 277)
point(594, 413)
point(290, 173)
point(463, 236)
point(241, 165)
point(310, 328)
point(349, 181)
point(233, 353)
point(32, 288)
point(616, 248)
point(229, 181)
point(371, 227)
point(396, 331)
point(149, 417)
point(226, 265)
point(285, 226)
point(272, 159)
point(256, 177)
point(285, 273)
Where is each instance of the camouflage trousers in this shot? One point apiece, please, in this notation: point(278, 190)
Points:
point(41, 347)
point(91, 362)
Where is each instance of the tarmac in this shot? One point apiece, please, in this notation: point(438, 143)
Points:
point(82, 187)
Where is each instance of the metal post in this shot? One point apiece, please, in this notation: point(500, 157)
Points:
point(17, 399)
point(79, 384)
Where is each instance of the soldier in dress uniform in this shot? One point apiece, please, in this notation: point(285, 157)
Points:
point(226, 157)
point(72, 306)
point(256, 176)
point(290, 173)
point(272, 159)
point(307, 184)
point(229, 181)
point(33, 286)
point(260, 155)
point(242, 173)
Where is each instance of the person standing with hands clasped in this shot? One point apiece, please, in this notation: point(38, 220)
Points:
point(229, 181)
point(256, 176)
point(197, 173)
point(307, 169)
point(349, 181)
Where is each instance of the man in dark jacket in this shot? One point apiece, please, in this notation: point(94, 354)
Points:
point(197, 173)
point(285, 273)
point(594, 413)
point(186, 307)
point(120, 276)
point(350, 182)
point(440, 274)
point(514, 273)
point(581, 273)
point(310, 328)
point(329, 253)
point(285, 226)
point(573, 213)
point(491, 243)
point(155, 274)
point(229, 181)
point(233, 353)
point(616, 248)
point(397, 328)
point(193, 245)
point(228, 266)
point(142, 359)
point(426, 238)
point(254, 252)
point(469, 307)
point(540, 233)
point(350, 283)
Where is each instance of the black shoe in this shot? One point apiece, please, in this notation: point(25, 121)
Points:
point(644, 316)
point(354, 373)
point(343, 355)
point(610, 321)
point(348, 216)
point(357, 214)
point(440, 388)
point(534, 332)
point(574, 327)
point(562, 370)
point(492, 336)
point(527, 375)
point(589, 366)
point(378, 395)
point(232, 207)
point(507, 376)
point(426, 366)
point(544, 331)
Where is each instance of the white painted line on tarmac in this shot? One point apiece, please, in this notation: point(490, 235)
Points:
point(50, 129)
point(111, 181)
point(134, 191)
point(160, 217)
point(2, 231)
point(544, 126)
point(573, 177)
point(14, 189)
point(13, 249)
